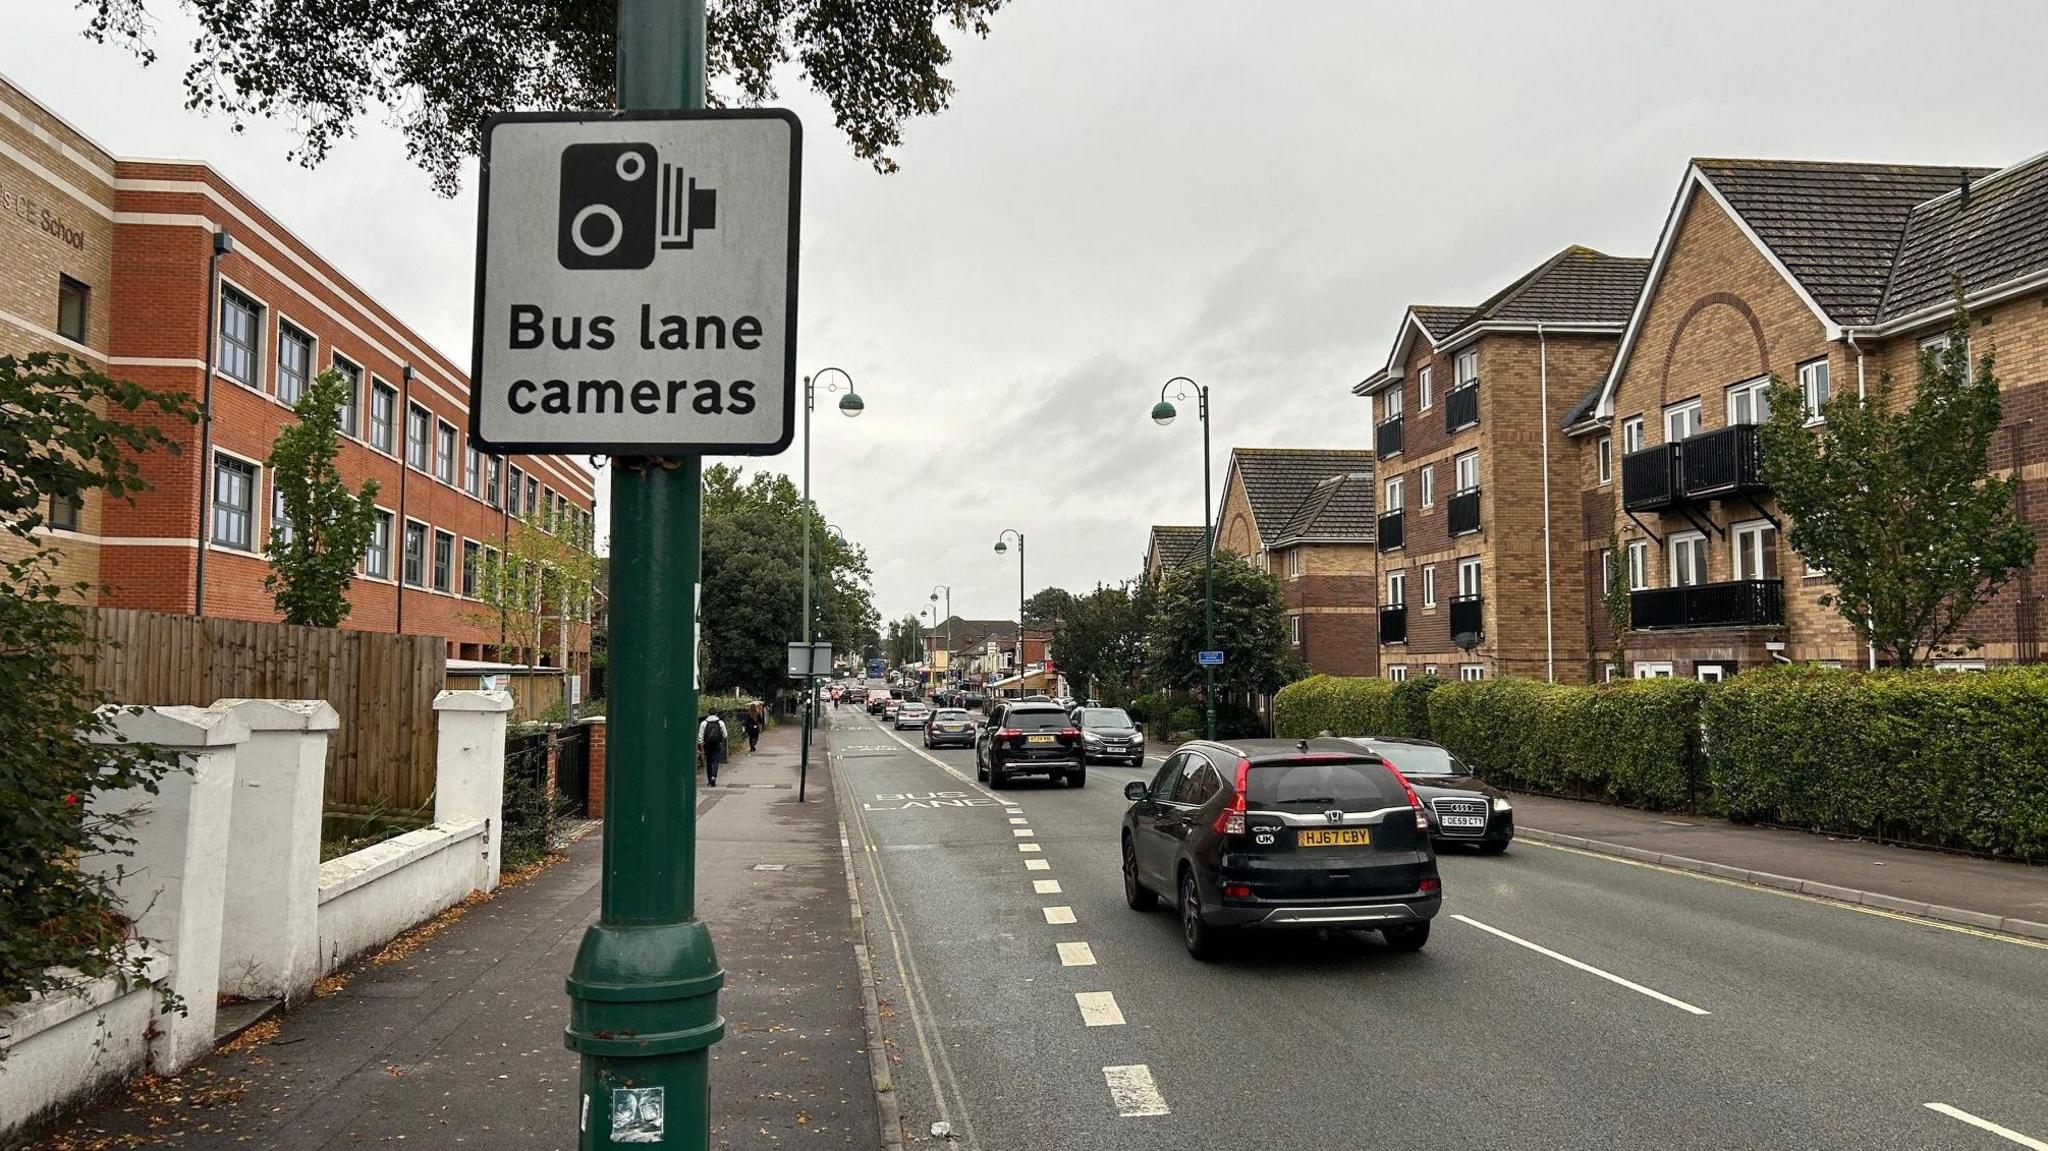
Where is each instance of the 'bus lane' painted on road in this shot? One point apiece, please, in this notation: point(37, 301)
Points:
point(925, 801)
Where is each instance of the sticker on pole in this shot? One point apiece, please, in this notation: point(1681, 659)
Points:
point(639, 1114)
point(636, 283)
point(1209, 658)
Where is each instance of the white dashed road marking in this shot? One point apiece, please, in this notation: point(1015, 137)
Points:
point(1061, 914)
point(1132, 1090)
point(1013, 811)
point(1099, 1009)
point(1016, 819)
point(1023, 832)
point(1029, 847)
point(1588, 968)
point(1046, 886)
point(1037, 864)
point(1076, 955)
point(1988, 1125)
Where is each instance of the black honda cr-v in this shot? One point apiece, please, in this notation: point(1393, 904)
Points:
point(1279, 834)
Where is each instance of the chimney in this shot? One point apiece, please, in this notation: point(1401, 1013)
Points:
point(1963, 200)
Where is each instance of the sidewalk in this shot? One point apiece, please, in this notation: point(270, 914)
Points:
point(2011, 897)
point(457, 1041)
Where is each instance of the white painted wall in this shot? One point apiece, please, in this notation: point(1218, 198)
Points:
point(469, 767)
point(371, 896)
point(60, 1047)
point(270, 940)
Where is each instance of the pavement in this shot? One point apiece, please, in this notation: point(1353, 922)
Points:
point(455, 1040)
point(1567, 999)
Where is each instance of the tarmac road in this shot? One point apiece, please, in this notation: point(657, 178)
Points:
point(1565, 1000)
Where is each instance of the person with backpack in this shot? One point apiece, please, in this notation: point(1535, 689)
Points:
point(711, 742)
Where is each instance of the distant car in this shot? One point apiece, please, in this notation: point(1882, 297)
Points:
point(1273, 833)
point(973, 700)
point(1462, 808)
point(877, 699)
point(1107, 734)
point(890, 707)
point(911, 713)
point(949, 727)
point(1029, 739)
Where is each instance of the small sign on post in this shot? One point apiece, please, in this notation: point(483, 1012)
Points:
point(1209, 658)
point(810, 660)
point(572, 696)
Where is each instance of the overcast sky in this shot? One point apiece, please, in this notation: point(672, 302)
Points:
point(1122, 192)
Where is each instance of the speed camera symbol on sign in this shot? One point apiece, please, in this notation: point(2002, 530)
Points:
point(620, 202)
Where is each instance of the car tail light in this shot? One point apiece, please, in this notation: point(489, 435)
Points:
point(1230, 821)
point(1237, 891)
point(1070, 732)
point(1011, 732)
point(1414, 800)
point(1432, 886)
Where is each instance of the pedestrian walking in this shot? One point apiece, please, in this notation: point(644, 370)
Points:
point(711, 741)
point(752, 723)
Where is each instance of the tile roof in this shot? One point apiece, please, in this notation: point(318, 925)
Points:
point(1440, 320)
point(1836, 227)
point(1277, 480)
point(1576, 286)
point(973, 633)
point(1999, 234)
point(1177, 543)
point(1337, 508)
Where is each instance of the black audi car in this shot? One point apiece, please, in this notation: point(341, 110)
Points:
point(1462, 807)
point(1107, 734)
point(1281, 834)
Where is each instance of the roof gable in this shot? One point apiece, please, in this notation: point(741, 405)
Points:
point(1995, 235)
point(1275, 481)
point(1337, 509)
point(1175, 544)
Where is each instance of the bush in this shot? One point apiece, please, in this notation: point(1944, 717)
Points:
point(1635, 742)
point(1408, 710)
point(1343, 705)
point(1952, 760)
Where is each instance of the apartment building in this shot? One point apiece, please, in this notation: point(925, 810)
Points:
point(1827, 274)
point(1306, 515)
point(164, 273)
point(1479, 528)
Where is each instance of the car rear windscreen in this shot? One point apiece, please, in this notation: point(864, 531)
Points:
point(949, 713)
point(1418, 759)
point(1048, 719)
point(1322, 785)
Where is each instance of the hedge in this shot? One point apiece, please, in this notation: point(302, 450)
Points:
point(1347, 705)
point(1635, 742)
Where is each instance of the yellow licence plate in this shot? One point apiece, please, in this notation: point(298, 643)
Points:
point(1335, 837)
point(952, 727)
point(1040, 738)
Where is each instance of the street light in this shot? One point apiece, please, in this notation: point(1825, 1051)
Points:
point(850, 405)
point(1001, 548)
point(948, 589)
point(1162, 414)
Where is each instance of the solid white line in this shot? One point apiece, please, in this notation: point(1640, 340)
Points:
point(1045, 886)
point(1988, 1125)
point(1022, 832)
point(1076, 955)
point(1132, 1090)
point(1588, 968)
point(1038, 864)
point(1029, 847)
point(1099, 1009)
point(1060, 914)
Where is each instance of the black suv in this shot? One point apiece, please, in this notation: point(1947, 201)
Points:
point(1029, 739)
point(1277, 833)
point(1462, 808)
point(1108, 733)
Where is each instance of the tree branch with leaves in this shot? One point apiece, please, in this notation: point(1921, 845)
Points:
point(326, 528)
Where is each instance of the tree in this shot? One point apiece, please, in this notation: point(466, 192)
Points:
point(1895, 501)
point(1251, 628)
point(314, 551)
point(1047, 607)
point(440, 67)
point(1099, 644)
point(1615, 600)
point(906, 641)
point(65, 430)
point(541, 587)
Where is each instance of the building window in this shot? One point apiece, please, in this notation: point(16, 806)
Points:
point(1711, 672)
point(1749, 402)
point(1959, 665)
point(1813, 385)
point(1681, 421)
point(1398, 673)
point(472, 471)
point(472, 559)
point(234, 503)
point(1638, 564)
point(1397, 589)
point(494, 478)
point(1429, 669)
point(414, 559)
point(241, 334)
point(62, 513)
point(1688, 559)
point(1293, 561)
point(377, 557)
point(532, 495)
point(1428, 479)
point(419, 431)
point(1428, 585)
point(550, 509)
point(280, 524)
point(1471, 672)
point(1294, 629)
point(1756, 550)
point(1390, 404)
point(444, 560)
point(383, 417)
point(512, 490)
point(1467, 469)
point(73, 309)
point(1652, 670)
point(1468, 577)
point(1394, 490)
point(1606, 570)
point(1603, 452)
point(1425, 388)
point(1632, 435)
point(444, 453)
point(1468, 368)
point(294, 362)
point(350, 426)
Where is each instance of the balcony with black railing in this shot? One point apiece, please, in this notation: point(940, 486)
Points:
point(1724, 462)
point(1394, 623)
point(1468, 619)
point(1649, 478)
point(1461, 406)
point(1390, 532)
point(1735, 603)
point(1386, 438)
point(1464, 511)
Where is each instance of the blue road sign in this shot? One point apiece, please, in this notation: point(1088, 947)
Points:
point(1209, 658)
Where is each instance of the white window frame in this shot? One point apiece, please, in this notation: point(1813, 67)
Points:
point(1398, 673)
point(1293, 562)
point(1739, 549)
point(1294, 629)
point(1758, 393)
point(1428, 585)
point(1427, 475)
point(1694, 415)
point(255, 512)
point(447, 451)
point(1395, 492)
point(1390, 404)
point(1471, 577)
point(426, 439)
point(1603, 455)
point(388, 521)
point(472, 470)
point(1638, 564)
point(1631, 435)
point(1429, 669)
point(1711, 672)
point(1812, 373)
point(1397, 588)
point(352, 414)
point(1672, 571)
point(1465, 368)
point(1651, 669)
point(1425, 388)
point(1460, 464)
point(1471, 672)
point(389, 445)
point(1606, 571)
point(1961, 665)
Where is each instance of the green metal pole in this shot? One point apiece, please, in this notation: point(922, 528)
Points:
point(643, 993)
point(803, 767)
point(1208, 574)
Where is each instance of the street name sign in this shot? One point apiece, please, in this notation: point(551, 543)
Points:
point(636, 283)
point(1209, 658)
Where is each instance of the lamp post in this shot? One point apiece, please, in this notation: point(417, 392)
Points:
point(1162, 414)
point(1001, 547)
point(850, 405)
point(948, 589)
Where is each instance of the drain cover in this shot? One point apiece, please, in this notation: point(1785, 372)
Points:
point(771, 867)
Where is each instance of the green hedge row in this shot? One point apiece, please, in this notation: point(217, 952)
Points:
point(1347, 705)
point(1635, 742)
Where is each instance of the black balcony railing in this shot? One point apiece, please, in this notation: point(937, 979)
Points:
point(1721, 463)
point(1468, 619)
point(1737, 603)
point(1394, 623)
point(1649, 478)
point(1461, 406)
point(1464, 511)
point(1386, 438)
point(1390, 531)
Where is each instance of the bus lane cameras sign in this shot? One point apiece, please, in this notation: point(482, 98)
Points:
point(636, 283)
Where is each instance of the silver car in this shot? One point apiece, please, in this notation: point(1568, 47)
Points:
point(912, 714)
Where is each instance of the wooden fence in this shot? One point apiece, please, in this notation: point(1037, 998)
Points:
point(382, 685)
